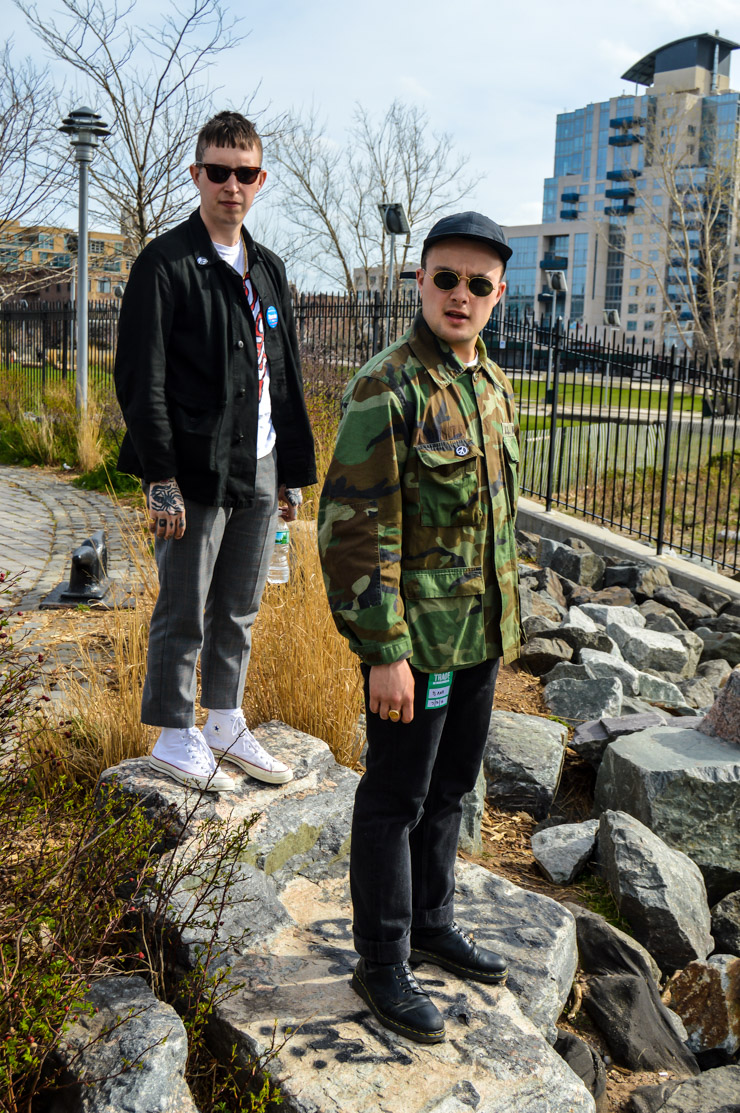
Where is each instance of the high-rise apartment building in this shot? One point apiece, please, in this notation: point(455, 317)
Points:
point(637, 181)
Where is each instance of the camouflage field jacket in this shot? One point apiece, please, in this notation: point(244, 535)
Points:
point(416, 520)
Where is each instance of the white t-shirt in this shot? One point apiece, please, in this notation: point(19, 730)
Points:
point(234, 256)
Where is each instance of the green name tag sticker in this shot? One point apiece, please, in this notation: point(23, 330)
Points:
point(438, 690)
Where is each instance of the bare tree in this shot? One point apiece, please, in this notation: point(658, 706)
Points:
point(329, 194)
point(35, 178)
point(151, 81)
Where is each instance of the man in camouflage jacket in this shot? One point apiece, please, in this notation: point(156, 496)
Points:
point(416, 532)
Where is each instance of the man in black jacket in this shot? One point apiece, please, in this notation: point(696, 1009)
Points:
point(208, 378)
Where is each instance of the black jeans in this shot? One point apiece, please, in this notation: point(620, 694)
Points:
point(407, 813)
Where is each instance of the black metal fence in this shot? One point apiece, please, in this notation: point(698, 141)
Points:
point(637, 437)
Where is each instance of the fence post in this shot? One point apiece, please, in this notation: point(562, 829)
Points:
point(555, 355)
point(376, 322)
point(666, 454)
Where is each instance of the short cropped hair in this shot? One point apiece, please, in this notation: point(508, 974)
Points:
point(228, 129)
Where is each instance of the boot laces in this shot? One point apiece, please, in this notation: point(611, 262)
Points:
point(406, 980)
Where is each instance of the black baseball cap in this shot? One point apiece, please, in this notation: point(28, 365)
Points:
point(472, 226)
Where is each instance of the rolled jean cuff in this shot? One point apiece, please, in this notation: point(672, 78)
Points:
point(396, 951)
point(432, 919)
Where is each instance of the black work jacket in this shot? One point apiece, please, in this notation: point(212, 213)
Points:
point(186, 368)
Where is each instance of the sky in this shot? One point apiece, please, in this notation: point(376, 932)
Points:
point(492, 75)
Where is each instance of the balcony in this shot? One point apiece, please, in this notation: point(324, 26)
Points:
point(619, 210)
point(569, 214)
point(550, 262)
point(570, 197)
point(622, 175)
point(627, 122)
point(620, 194)
point(625, 140)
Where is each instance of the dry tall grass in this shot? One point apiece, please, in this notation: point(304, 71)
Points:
point(90, 438)
point(301, 669)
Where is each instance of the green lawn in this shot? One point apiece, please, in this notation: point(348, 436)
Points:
point(587, 396)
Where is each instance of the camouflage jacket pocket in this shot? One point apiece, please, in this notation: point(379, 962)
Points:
point(441, 583)
point(448, 482)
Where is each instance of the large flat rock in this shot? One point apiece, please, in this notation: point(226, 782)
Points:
point(337, 1058)
point(685, 786)
point(304, 824)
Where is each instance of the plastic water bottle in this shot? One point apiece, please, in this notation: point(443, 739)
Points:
point(279, 572)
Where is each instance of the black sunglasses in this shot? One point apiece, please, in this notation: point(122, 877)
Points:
point(478, 285)
point(245, 175)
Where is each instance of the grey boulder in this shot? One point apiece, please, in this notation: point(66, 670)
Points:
point(540, 655)
point(561, 852)
point(577, 701)
point(648, 649)
point(130, 1053)
point(635, 1025)
point(659, 891)
point(726, 924)
point(604, 666)
point(604, 949)
point(584, 1061)
point(642, 579)
point(690, 609)
point(603, 614)
point(697, 692)
point(471, 838)
point(656, 690)
point(714, 1091)
point(579, 565)
point(721, 646)
point(715, 672)
point(591, 739)
point(685, 786)
point(523, 760)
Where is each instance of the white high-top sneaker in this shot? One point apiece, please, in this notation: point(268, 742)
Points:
point(231, 740)
point(183, 754)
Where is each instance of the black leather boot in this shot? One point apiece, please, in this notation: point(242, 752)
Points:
point(398, 1001)
point(455, 950)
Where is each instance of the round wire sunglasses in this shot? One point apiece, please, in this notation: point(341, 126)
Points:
point(447, 280)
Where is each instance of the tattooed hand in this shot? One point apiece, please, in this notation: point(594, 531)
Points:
point(289, 498)
point(166, 509)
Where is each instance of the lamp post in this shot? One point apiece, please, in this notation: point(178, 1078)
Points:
point(395, 223)
point(85, 128)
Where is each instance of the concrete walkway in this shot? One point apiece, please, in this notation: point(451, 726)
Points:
point(43, 518)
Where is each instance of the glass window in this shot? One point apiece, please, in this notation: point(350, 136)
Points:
point(653, 256)
point(632, 326)
point(650, 308)
point(634, 291)
point(648, 326)
point(632, 307)
point(635, 272)
point(651, 291)
point(97, 247)
point(637, 237)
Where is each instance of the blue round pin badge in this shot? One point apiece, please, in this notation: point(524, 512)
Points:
point(272, 316)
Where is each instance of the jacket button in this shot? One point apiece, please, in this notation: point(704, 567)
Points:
point(240, 343)
point(240, 393)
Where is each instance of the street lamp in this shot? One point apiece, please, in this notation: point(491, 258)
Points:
point(85, 128)
point(395, 223)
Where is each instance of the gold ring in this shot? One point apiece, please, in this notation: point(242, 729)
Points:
point(394, 715)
